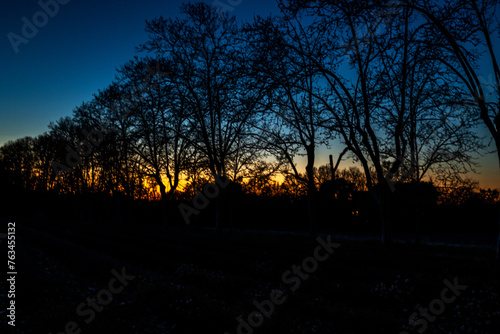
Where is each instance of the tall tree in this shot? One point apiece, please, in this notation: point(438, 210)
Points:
point(352, 89)
point(160, 138)
point(208, 59)
point(293, 122)
point(389, 85)
point(429, 132)
point(460, 31)
point(18, 163)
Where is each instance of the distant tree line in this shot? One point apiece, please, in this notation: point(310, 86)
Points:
point(395, 84)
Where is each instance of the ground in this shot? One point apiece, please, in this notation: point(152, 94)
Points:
point(192, 281)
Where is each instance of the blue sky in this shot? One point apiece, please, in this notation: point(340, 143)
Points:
point(73, 55)
point(77, 52)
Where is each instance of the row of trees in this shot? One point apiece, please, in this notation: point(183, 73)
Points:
point(395, 83)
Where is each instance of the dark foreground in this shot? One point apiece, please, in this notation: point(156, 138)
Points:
point(147, 280)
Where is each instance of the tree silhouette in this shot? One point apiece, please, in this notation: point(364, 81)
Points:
point(459, 31)
point(207, 55)
point(294, 121)
point(159, 138)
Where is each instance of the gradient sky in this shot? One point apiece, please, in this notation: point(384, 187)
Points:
point(73, 55)
point(77, 52)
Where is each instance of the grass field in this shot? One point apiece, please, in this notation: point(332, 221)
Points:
point(200, 282)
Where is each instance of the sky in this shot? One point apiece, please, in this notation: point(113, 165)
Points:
point(73, 55)
point(75, 51)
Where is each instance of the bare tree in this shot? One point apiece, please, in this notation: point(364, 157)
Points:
point(208, 58)
point(418, 101)
point(294, 122)
point(460, 31)
point(389, 106)
point(18, 161)
point(159, 138)
point(352, 96)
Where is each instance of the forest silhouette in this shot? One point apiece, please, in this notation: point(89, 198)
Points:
point(187, 197)
point(208, 97)
point(198, 165)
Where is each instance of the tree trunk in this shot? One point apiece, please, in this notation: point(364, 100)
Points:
point(311, 192)
point(222, 182)
point(382, 200)
point(498, 241)
point(165, 223)
point(219, 207)
point(417, 215)
point(332, 169)
point(311, 208)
